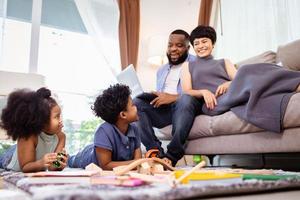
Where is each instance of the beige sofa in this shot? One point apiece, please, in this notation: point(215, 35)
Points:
point(227, 134)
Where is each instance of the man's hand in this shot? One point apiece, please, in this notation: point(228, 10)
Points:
point(163, 99)
point(209, 98)
point(222, 88)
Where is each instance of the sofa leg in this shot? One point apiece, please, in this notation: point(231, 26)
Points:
point(211, 159)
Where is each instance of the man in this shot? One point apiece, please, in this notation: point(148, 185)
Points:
point(165, 109)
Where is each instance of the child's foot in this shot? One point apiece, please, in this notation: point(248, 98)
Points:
point(152, 153)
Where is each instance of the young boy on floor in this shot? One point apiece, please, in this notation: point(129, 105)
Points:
point(117, 141)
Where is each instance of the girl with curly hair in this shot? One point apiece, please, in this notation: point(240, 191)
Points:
point(33, 119)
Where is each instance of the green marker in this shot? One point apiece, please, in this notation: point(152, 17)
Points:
point(268, 177)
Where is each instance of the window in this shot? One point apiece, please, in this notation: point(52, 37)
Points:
point(74, 61)
point(256, 26)
point(15, 35)
point(70, 62)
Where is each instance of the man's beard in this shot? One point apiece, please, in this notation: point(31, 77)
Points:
point(180, 60)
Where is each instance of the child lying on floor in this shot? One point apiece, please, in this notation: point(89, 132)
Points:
point(117, 141)
point(34, 120)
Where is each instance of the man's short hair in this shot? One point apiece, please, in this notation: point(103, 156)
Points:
point(181, 32)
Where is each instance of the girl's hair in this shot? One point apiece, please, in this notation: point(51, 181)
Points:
point(111, 102)
point(27, 112)
point(203, 31)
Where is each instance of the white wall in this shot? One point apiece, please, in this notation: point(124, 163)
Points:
point(160, 18)
point(3, 135)
point(9, 81)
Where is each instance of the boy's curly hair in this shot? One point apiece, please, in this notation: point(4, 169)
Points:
point(111, 102)
point(27, 112)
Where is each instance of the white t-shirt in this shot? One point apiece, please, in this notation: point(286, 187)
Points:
point(172, 80)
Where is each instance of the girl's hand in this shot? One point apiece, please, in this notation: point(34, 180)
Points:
point(60, 162)
point(47, 160)
point(222, 88)
point(64, 159)
point(63, 163)
point(209, 98)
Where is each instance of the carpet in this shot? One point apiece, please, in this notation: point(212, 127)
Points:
point(84, 190)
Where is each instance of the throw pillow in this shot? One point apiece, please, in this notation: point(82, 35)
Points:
point(289, 55)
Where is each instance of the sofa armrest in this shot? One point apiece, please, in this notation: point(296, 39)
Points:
point(266, 57)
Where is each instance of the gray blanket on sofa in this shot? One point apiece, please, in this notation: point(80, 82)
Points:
point(259, 94)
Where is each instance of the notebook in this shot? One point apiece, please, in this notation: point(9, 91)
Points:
point(210, 178)
point(129, 77)
point(66, 173)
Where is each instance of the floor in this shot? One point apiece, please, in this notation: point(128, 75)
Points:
point(290, 195)
point(10, 192)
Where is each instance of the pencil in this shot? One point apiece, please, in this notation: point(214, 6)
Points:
point(186, 174)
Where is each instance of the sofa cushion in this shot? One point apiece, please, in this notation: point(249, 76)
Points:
point(229, 124)
point(289, 55)
point(247, 143)
point(292, 113)
point(266, 57)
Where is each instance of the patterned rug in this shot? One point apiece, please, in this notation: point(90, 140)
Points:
point(84, 190)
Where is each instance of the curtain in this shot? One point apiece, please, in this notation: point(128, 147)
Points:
point(129, 29)
point(261, 25)
point(101, 19)
point(205, 12)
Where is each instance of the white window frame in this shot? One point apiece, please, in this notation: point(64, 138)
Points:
point(35, 35)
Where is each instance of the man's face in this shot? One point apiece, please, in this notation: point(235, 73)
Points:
point(177, 47)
